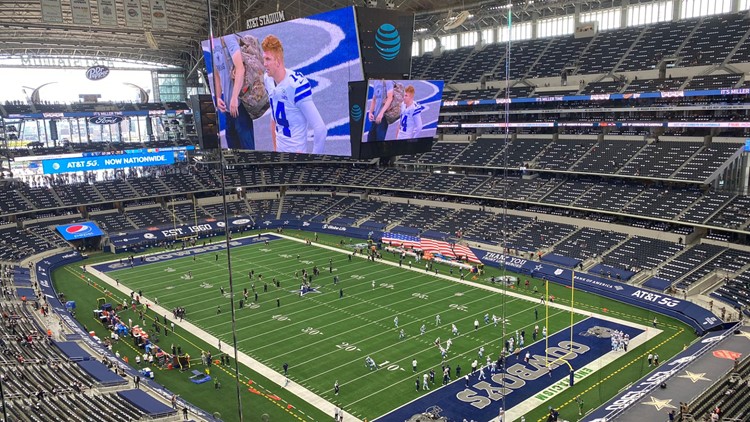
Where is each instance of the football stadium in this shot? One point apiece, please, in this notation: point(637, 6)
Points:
point(375, 210)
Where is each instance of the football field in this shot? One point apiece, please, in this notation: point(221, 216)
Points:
point(326, 334)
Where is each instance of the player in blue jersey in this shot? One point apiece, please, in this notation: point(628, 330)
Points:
point(411, 116)
point(292, 107)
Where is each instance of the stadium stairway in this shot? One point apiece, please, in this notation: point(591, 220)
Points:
point(632, 157)
point(713, 280)
point(598, 260)
point(461, 66)
point(551, 248)
point(29, 204)
point(629, 50)
point(656, 270)
point(687, 39)
point(688, 161)
point(282, 196)
point(731, 54)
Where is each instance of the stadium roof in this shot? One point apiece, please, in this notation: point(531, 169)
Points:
point(23, 31)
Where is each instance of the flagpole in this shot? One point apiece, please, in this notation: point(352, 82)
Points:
point(572, 308)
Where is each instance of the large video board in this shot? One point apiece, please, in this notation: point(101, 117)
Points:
point(401, 110)
point(284, 87)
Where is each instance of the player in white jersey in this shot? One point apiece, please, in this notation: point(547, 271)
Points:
point(292, 107)
point(411, 116)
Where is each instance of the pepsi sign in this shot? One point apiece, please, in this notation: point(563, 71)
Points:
point(97, 73)
point(105, 120)
point(81, 230)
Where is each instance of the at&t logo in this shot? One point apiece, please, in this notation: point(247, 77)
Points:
point(387, 41)
point(356, 112)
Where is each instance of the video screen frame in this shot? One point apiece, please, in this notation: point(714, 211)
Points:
point(322, 55)
point(401, 110)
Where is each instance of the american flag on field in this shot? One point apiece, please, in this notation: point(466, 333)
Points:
point(397, 239)
point(452, 250)
point(465, 251)
point(438, 246)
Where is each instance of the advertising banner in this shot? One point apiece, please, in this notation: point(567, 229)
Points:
point(81, 10)
point(158, 12)
point(77, 231)
point(133, 14)
point(52, 11)
point(70, 165)
point(386, 41)
point(107, 13)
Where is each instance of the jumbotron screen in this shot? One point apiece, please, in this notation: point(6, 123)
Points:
point(291, 95)
point(401, 110)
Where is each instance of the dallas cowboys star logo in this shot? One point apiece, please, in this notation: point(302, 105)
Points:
point(538, 267)
point(694, 377)
point(659, 404)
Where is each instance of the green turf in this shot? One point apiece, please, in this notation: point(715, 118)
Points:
point(325, 338)
point(205, 396)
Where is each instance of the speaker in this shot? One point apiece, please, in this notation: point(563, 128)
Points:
point(150, 128)
point(53, 130)
point(206, 121)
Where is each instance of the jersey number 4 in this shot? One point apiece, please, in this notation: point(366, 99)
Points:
point(403, 123)
point(279, 115)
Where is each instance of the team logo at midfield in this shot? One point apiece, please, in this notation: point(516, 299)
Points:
point(387, 41)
